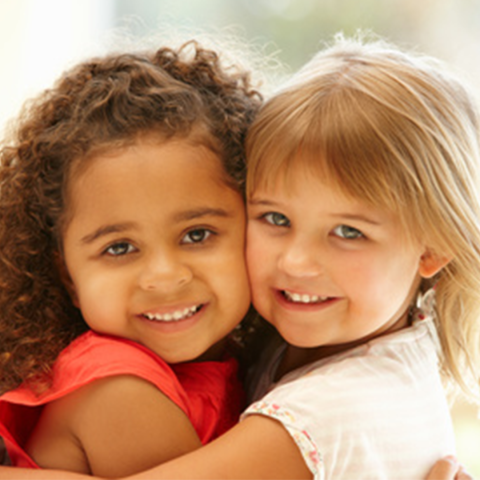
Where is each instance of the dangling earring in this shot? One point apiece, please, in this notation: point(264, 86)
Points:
point(426, 304)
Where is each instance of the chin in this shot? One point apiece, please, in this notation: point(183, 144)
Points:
point(299, 341)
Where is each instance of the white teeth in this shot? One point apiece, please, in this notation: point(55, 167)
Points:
point(304, 298)
point(173, 316)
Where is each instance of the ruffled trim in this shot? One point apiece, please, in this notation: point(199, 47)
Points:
point(295, 428)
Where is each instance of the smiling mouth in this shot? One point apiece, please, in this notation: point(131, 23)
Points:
point(303, 298)
point(175, 316)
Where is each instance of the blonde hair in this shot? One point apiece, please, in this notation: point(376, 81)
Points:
point(399, 131)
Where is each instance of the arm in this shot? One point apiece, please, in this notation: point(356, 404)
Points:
point(256, 448)
point(444, 469)
point(112, 427)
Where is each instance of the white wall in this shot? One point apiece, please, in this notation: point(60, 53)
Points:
point(39, 38)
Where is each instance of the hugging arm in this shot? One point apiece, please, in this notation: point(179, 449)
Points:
point(258, 447)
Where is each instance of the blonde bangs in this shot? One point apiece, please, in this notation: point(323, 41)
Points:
point(273, 143)
point(341, 133)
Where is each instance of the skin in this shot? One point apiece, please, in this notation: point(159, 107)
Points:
point(156, 232)
point(448, 468)
point(260, 447)
point(153, 252)
point(445, 469)
point(327, 270)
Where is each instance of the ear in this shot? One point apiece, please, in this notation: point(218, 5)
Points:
point(66, 279)
point(431, 263)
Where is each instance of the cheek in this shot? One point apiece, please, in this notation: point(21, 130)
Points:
point(260, 273)
point(237, 284)
point(100, 298)
point(380, 283)
point(226, 273)
point(361, 277)
point(257, 254)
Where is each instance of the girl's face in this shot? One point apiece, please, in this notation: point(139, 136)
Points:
point(154, 251)
point(326, 269)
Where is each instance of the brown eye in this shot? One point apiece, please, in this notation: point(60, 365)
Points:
point(197, 235)
point(120, 248)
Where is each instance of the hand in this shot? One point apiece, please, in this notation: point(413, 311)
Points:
point(448, 468)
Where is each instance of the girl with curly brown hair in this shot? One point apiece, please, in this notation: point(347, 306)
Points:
point(122, 269)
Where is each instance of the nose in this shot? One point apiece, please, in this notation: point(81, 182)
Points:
point(164, 271)
point(301, 258)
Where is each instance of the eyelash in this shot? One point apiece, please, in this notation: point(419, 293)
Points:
point(206, 234)
point(109, 250)
point(127, 248)
point(345, 236)
point(341, 231)
point(273, 218)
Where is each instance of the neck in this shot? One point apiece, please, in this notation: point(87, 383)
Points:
point(214, 353)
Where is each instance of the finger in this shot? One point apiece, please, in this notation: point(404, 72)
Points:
point(445, 469)
point(462, 474)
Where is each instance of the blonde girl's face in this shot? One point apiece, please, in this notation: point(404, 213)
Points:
point(154, 250)
point(326, 269)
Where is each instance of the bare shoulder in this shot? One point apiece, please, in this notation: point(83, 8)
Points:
point(114, 426)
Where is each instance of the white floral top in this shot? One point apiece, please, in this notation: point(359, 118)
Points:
point(377, 411)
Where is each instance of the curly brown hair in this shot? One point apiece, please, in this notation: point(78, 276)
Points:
point(101, 103)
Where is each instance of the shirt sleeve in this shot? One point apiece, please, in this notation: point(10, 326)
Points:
point(295, 425)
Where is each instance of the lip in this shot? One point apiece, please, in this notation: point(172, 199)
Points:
point(302, 307)
point(173, 325)
point(174, 313)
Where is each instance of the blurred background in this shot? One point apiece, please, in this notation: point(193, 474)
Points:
point(40, 38)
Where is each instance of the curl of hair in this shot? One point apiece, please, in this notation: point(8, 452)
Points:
point(103, 103)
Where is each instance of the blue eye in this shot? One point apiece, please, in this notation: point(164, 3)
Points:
point(348, 233)
point(277, 219)
point(197, 235)
point(119, 249)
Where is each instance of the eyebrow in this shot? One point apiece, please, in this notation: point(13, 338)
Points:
point(200, 213)
point(358, 218)
point(105, 230)
point(179, 217)
point(261, 202)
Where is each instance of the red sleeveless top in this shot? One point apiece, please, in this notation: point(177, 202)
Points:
point(209, 393)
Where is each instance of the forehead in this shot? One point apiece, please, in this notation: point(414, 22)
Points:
point(301, 180)
point(354, 176)
point(176, 157)
point(289, 175)
point(132, 181)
